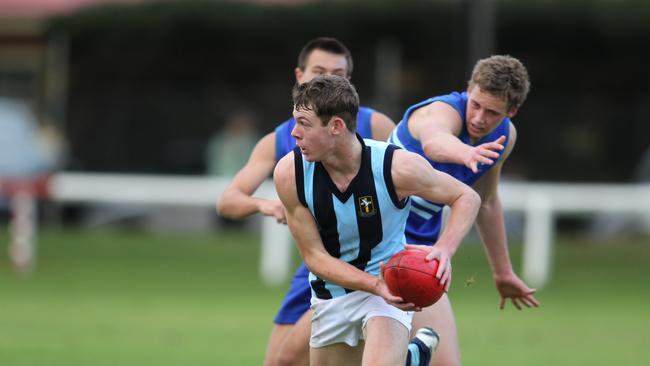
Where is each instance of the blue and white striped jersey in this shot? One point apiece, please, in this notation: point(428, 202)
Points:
point(362, 226)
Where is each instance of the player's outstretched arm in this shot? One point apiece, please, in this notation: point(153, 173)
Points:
point(237, 202)
point(311, 248)
point(491, 228)
point(438, 125)
point(413, 175)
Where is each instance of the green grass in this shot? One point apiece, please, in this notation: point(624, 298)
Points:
point(131, 298)
point(594, 312)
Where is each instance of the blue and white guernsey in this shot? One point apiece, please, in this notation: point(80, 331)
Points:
point(297, 301)
point(362, 226)
point(425, 219)
point(284, 142)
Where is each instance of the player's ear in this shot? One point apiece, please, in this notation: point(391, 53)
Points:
point(513, 111)
point(338, 125)
point(299, 73)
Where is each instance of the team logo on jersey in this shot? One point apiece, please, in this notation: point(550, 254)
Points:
point(366, 206)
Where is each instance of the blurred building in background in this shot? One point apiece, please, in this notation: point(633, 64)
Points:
point(132, 84)
point(141, 86)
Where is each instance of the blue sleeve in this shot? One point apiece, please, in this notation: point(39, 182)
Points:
point(364, 122)
point(284, 142)
point(456, 100)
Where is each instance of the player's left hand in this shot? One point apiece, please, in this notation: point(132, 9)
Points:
point(512, 287)
point(381, 289)
point(444, 261)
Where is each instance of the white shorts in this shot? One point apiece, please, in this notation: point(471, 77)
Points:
point(342, 319)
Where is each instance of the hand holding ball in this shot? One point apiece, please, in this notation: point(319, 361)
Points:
point(409, 276)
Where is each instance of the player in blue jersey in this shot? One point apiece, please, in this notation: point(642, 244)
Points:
point(321, 56)
point(468, 135)
point(347, 201)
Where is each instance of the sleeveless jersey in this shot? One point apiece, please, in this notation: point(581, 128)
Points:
point(362, 226)
point(425, 219)
point(284, 142)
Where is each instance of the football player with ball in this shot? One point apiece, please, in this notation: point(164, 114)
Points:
point(347, 200)
point(289, 340)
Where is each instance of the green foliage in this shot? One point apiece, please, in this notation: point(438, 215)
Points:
point(130, 298)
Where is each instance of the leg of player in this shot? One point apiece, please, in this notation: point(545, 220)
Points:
point(422, 346)
point(288, 341)
point(294, 348)
point(337, 354)
point(383, 336)
point(278, 334)
point(440, 317)
point(289, 345)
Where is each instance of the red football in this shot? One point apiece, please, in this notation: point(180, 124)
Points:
point(409, 276)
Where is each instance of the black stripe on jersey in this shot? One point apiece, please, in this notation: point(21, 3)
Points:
point(369, 226)
point(344, 196)
point(300, 176)
point(318, 285)
point(388, 177)
point(324, 212)
point(327, 224)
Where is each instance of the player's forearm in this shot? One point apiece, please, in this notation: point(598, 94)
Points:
point(445, 148)
point(463, 213)
point(339, 272)
point(237, 205)
point(491, 228)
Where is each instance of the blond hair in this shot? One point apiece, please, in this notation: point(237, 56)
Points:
point(502, 76)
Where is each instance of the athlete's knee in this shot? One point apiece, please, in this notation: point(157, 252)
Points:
point(290, 359)
point(294, 353)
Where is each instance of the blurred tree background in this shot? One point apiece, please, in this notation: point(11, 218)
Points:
point(149, 83)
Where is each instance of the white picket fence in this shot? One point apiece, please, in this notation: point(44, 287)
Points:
point(541, 203)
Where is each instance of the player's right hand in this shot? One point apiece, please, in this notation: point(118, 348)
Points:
point(484, 153)
point(274, 209)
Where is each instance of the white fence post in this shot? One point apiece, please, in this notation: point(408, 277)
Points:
point(276, 244)
point(22, 244)
point(275, 256)
point(538, 239)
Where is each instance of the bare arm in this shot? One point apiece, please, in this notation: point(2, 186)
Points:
point(381, 126)
point(437, 126)
point(236, 201)
point(491, 228)
point(318, 260)
point(413, 175)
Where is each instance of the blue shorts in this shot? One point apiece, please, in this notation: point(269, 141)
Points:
point(298, 298)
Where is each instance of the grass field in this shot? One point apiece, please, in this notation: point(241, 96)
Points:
point(132, 298)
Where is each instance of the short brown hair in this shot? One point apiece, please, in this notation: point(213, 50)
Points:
point(502, 76)
point(328, 96)
point(327, 44)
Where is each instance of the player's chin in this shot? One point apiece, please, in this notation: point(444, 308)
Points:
point(312, 158)
point(308, 157)
point(476, 134)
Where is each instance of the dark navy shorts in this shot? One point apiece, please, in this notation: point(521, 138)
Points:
point(298, 298)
